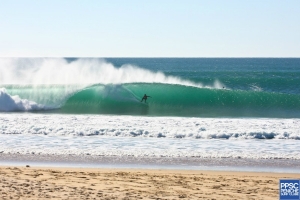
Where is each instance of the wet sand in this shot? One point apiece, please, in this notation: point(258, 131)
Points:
point(91, 183)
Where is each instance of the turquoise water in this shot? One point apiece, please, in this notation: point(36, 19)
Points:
point(191, 87)
point(279, 75)
point(203, 112)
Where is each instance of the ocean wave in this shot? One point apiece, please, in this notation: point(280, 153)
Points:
point(93, 86)
point(166, 100)
point(158, 127)
point(15, 103)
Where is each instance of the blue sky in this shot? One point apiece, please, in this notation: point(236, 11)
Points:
point(165, 28)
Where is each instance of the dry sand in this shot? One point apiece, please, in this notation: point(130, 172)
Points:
point(80, 183)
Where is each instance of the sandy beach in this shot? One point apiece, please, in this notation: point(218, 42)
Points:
point(90, 183)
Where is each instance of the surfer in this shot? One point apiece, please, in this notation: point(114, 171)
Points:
point(145, 98)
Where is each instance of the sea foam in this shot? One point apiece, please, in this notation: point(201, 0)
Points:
point(154, 127)
point(154, 137)
point(15, 103)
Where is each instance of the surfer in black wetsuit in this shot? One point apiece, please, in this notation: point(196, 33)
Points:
point(145, 98)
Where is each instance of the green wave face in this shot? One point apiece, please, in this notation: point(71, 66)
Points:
point(255, 87)
point(100, 99)
point(178, 100)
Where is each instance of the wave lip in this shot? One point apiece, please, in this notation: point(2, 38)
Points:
point(83, 71)
point(15, 103)
point(93, 86)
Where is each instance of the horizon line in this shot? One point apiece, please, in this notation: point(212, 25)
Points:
point(133, 57)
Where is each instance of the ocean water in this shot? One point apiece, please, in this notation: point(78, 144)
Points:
point(202, 111)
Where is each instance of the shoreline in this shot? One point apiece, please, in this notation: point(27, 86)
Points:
point(103, 183)
point(164, 163)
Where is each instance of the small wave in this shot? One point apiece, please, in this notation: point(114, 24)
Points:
point(255, 87)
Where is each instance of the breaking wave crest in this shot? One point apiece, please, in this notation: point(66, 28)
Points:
point(94, 86)
point(59, 71)
point(15, 103)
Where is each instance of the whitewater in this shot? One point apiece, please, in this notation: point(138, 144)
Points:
point(45, 84)
point(94, 86)
point(208, 112)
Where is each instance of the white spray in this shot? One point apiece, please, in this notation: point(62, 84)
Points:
point(71, 77)
point(51, 71)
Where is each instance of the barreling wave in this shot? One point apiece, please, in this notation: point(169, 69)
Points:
point(179, 100)
point(96, 87)
point(166, 100)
